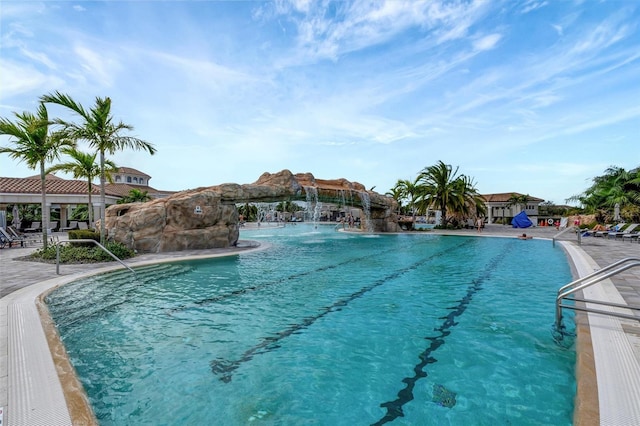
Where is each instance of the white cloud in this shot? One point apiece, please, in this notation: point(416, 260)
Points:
point(487, 42)
point(98, 67)
point(18, 78)
point(531, 5)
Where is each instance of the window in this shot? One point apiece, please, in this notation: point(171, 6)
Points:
point(135, 179)
point(128, 179)
point(118, 178)
point(141, 181)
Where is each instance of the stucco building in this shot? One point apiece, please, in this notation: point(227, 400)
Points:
point(66, 194)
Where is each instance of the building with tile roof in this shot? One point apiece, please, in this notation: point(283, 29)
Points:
point(65, 194)
point(500, 210)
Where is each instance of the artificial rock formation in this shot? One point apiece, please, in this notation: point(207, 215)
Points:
point(207, 217)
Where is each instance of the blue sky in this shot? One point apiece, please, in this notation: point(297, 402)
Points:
point(531, 96)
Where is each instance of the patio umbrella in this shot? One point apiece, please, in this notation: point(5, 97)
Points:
point(16, 217)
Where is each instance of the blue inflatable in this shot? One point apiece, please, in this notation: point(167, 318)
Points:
point(521, 220)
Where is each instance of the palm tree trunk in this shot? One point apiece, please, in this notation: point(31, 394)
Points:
point(44, 218)
point(103, 200)
point(90, 206)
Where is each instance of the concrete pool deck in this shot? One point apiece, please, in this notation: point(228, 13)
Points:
point(31, 392)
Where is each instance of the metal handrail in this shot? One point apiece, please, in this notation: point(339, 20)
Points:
point(568, 228)
point(589, 280)
point(83, 240)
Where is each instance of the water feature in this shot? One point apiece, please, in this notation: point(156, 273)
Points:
point(328, 328)
point(313, 206)
point(366, 209)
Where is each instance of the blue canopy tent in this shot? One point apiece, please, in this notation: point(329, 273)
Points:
point(521, 220)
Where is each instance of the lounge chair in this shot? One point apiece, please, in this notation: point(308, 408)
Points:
point(35, 227)
point(72, 225)
point(631, 234)
point(629, 229)
point(605, 233)
point(53, 226)
point(7, 239)
point(83, 225)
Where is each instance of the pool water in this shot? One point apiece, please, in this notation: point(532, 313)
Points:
point(327, 328)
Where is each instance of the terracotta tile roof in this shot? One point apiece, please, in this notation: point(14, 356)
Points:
point(54, 185)
point(49, 176)
point(130, 171)
point(505, 196)
point(57, 185)
point(122, 190)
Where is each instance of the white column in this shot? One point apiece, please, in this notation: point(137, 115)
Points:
point(96, 214)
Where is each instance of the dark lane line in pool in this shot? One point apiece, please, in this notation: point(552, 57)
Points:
point(405, 395)
point(245, 290)
point(226, 368)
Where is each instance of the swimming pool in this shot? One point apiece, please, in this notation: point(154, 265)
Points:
point(327, 328)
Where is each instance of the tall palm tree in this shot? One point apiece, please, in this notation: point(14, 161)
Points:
point(83, 165)
point(468, 200)
point(616, 186)
point(34, 145)
point(101, 132)
point(440, 188)
point(409, 191)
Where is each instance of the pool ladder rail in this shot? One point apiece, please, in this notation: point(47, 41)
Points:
point(568, 290)
point(83, 240)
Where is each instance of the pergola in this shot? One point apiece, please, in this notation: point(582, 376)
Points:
point(60, 193)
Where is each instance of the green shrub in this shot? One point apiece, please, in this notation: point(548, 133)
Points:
point(84, 234)
point(83, 254)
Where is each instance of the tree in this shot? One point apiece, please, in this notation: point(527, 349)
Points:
point(409, 191)
point(34, 145)
point(439, 188)
point(518, 200)
point(135, 196)
point(84, 165)
point(99, 130)
point(616, 186)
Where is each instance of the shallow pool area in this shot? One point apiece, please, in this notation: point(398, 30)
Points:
point(325, 327)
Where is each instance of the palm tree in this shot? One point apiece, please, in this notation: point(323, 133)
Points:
point(83, 165)
point(518, 200)
point(468, 201)
point(616, 186)
point(452, 194)
point(102, 134)
point(35, 146)
point(440, 188)
point(410, 191)
point(135, 196)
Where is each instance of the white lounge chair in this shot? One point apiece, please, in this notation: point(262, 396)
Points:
point(83, 225)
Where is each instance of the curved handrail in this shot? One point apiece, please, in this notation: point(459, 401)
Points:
point(598, 272)
point(83, 240)
point(568, 228)
point(589, 280)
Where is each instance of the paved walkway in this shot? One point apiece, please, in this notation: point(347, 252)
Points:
point(16, 274)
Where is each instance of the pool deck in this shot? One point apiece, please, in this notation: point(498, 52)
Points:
point(31, 392)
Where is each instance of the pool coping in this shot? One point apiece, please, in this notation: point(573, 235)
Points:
point(607, 371)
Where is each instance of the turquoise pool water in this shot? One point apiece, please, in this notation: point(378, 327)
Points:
point(327, 328)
